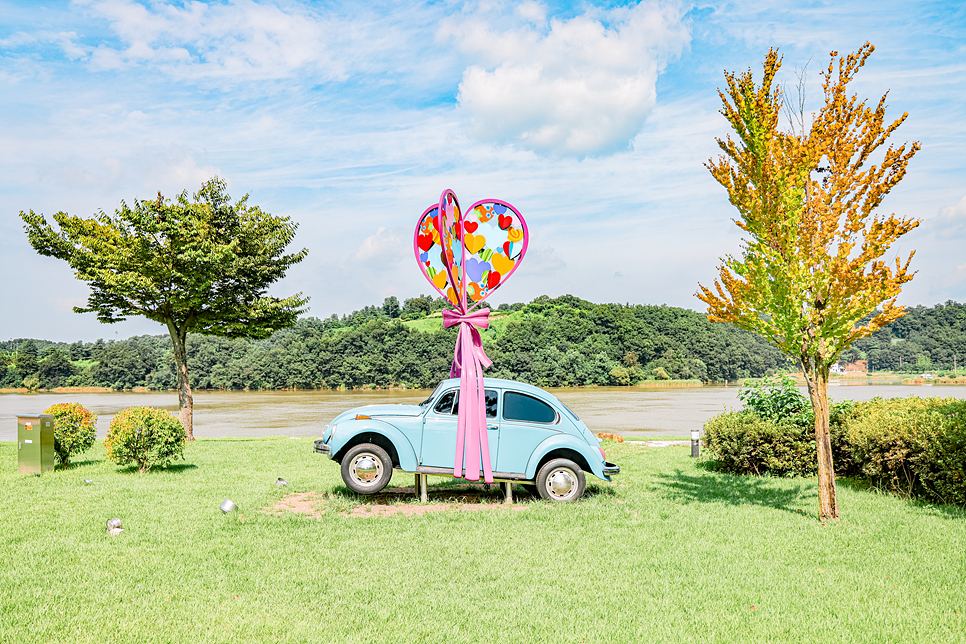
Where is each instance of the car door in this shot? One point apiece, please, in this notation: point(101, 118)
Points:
point(526, 422)
point(438, 448)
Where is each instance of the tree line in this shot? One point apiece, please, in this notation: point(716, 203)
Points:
point(557, 342)
point(564, 341)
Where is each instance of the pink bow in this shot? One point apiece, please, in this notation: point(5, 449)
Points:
point(469, 360)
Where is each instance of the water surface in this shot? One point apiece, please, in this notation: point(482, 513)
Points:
point(626, 410)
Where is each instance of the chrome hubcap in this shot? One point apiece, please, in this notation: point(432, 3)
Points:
point(561, 483)
point(366, 468)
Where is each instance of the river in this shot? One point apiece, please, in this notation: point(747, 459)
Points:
point(630, 411)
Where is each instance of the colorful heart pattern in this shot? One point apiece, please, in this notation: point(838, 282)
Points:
point(479, 250)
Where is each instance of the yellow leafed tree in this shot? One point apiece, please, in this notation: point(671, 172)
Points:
point(814, 263)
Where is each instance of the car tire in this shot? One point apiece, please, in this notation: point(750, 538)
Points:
point(366, 468)
point(561, 480)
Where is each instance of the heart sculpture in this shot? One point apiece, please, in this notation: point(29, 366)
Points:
point(466, 258)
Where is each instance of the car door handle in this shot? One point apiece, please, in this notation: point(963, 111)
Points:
point(493, 427)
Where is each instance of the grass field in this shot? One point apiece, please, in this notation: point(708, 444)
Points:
point(671, 552)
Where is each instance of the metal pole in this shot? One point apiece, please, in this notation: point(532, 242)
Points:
point(509, 493)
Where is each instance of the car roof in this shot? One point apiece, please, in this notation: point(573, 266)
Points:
point(507, 384)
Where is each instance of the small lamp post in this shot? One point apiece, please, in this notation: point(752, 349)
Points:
point(695, 443)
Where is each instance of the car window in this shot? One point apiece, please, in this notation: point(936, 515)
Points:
point(571, 412)
point(445, 404)
point(431, 396)
point(527, 408)
point(450, 403)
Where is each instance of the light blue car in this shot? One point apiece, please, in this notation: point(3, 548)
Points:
point(534, 439)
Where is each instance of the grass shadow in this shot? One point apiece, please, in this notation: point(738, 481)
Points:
point(728, 489)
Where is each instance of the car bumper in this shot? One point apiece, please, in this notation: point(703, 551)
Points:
point(322, 448)
point(612, 469)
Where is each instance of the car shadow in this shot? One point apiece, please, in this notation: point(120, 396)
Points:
point(454, 492)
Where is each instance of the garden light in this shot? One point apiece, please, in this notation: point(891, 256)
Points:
point(227, 506)
point(114, 526)
point(695, 443)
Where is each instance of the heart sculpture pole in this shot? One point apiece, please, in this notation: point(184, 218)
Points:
point(474, 258)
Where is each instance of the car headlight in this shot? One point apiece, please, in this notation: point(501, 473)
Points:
point(332, 433)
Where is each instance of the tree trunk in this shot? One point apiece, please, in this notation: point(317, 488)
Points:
point(185, 401)
point(816, 375)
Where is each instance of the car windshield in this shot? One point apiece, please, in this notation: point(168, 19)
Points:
point(431, 396)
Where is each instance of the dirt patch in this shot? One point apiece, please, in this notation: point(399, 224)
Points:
point(300, 503)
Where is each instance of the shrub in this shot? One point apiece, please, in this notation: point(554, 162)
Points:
point(745, 443)
point(775, 434)
point(145, 436)
point(909, 446)
point(943, 461)
point(774, 398)
point(912, 446)
point(75, 429)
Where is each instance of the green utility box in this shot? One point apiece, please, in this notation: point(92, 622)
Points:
point(35, 444)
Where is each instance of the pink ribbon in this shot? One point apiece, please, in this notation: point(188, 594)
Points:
point(469, 360)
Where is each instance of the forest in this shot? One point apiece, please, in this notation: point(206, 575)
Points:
point(564, 341)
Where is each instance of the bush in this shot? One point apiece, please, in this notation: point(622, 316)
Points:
point(745, 443)
point(775, 398)
point(909, 446)
point(75, 429)
point(912, 446)
point(775, 434)
point(943, 462)
point(145, 436)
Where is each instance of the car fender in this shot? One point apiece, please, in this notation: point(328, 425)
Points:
point(565, 441)
point(349, 430)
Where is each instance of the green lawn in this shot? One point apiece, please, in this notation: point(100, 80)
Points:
point(672, 552)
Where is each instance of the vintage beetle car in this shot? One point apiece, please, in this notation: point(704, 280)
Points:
point(534, 439)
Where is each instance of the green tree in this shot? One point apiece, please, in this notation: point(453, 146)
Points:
point(200, 266)
point(812, 275)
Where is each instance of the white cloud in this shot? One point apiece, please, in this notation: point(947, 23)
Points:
point(950, 223)
point(533, 12)
point(236, 40)
point(582, 88)
point(384, 245)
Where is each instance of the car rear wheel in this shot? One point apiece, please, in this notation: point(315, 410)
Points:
point(366, 468)
point(561, 480)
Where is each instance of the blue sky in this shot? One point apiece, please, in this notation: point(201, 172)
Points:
point(594, 120)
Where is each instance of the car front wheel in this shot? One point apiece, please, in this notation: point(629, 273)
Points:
point(366, 468)
point(561, 480)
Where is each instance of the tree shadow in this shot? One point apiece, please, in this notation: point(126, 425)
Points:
point(729, 489)
point(855, 484)
point(73, 465)
point(176, 468)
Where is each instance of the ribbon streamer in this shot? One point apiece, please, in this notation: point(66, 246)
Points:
point(469, 360)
